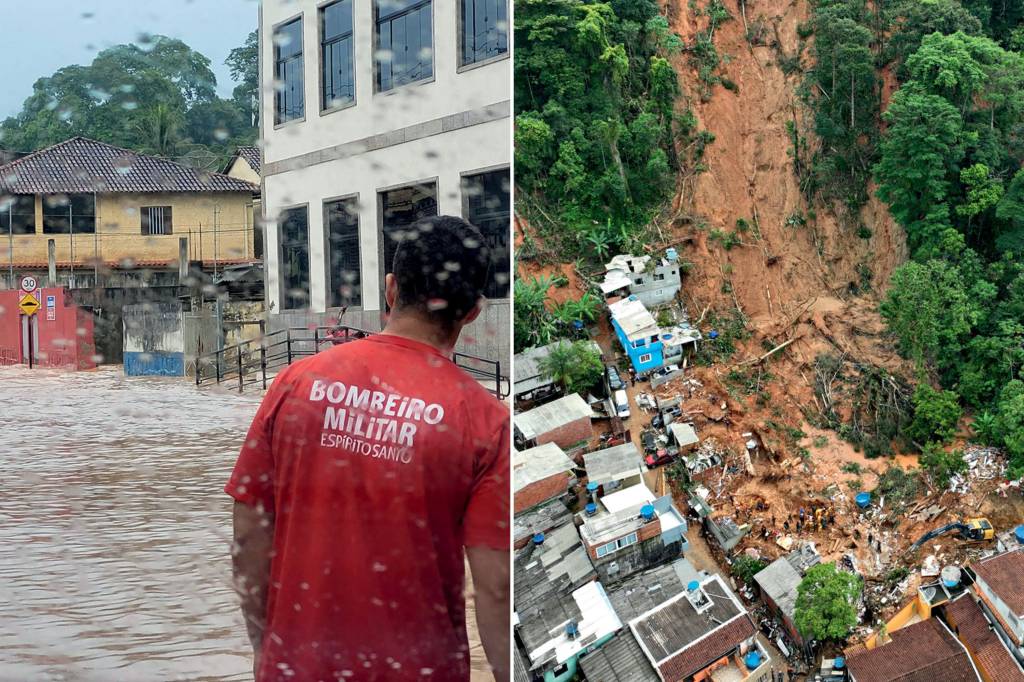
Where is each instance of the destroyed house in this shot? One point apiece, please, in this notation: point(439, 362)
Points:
point(616, 467)
point(702, 633)
point(556, 631)
point(551, 564)
point(565, 422)
point(635, 533)
point(531, 383)
point(539, 474)
point(778, 582)
point(653, 281)
point(648, 345)
point(922, 652)
point(999, 583)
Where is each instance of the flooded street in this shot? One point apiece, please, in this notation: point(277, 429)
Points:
point(114, 528)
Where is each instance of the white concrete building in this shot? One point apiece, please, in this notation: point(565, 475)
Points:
point(373, 114)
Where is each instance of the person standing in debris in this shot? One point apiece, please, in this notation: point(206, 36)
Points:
point(371, 471)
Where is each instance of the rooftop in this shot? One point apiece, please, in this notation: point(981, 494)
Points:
point(556, 567)
point(542, 518)
point(543, 629)
point(610, 525)
point(922, 652)
point(634, 496)
point(619, 660)
point(633, 318)
point(681, 641)
point(973, 630)
point(642, 592)
point(684, 434)
point(550, 416)
point(779, 581)
point(1004, 574)
point(81, 165)
point(528, 376)
point(612, 464)
point(251, 155)
point(536, 464)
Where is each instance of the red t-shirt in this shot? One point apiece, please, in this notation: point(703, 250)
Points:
point(381, 460)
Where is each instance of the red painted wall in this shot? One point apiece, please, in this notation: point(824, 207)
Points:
point(64, 342)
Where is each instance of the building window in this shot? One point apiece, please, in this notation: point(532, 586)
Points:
point(484, 30)
point(405, 46)
point(294, 238)
point(400, 208)
point(639, 280)
point(289, 102)
point(616, 545)
point(659, 277)
point(646, 357)
point(487, 204)
point(18, 214)
point(344, 280)
point(156, 219)
point(337, 72)
point(69, 213)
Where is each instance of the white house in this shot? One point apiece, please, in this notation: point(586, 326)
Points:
point(374, 114)
point(655, 281)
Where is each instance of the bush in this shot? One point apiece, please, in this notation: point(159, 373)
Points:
point(942, 465)
point(936, 414)
point(746, 567)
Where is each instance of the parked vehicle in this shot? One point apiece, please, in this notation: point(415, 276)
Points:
point(615, 382)
point(667, 369)
point(621, 401)
point(659, 458)
point(649, 441)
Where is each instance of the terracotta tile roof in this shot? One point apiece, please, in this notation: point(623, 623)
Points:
point(1004, 573)
point(706, 651)
point(922, 652)
point(972, 628)
point(251, 156)
point(83, 165)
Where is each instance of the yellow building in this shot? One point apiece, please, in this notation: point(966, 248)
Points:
point(108, 208)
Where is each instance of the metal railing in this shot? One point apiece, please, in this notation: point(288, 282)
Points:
point(255, 362)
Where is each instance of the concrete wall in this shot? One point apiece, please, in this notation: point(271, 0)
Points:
point(541, 491)
point(65, 341)
point(569, 434)
point(153, 340)
point(119, 224)
point(107, 304)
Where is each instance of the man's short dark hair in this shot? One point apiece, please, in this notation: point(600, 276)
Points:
point(441, 266)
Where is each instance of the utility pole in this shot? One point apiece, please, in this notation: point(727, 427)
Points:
point(10, 237)
point(216, 220)
point(51, 262)
point(71, 237)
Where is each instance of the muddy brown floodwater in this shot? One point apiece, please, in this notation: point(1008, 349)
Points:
point(114, 530)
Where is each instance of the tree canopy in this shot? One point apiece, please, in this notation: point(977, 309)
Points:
point(157, 96)
point(826, 603)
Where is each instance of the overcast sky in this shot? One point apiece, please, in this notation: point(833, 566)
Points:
point(40, 36)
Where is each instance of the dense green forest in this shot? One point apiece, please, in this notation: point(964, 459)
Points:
point(157, 97)
point(599, 141)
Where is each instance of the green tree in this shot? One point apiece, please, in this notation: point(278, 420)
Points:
point(576, 366)
point(826, 603)
point(244, 63)
point(930, 312)
point(159, 131)
point(919, 153)
point(1010, 425)
point(746, 567)
point(936, 414)
point(533, 325)
point(942, 465)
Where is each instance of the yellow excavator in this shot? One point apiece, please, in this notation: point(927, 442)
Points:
point(973, 530)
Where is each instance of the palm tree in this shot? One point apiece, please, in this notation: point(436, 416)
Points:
point(159, 130)
point(559, 363)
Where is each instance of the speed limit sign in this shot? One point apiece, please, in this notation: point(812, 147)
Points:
point(28, 284)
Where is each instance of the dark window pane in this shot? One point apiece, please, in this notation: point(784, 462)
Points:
point(484, 29)
point(294, 238)
point(289, 102)
point(400, 208)
point(156, 220)
point(337, 20)
point(487, 202)
point(343, 268)
point(18, 213)
point(405, 46)
point(63, 214)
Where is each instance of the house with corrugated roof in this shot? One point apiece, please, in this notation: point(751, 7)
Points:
point(105, 207)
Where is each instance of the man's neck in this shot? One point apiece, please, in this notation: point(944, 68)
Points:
point(417, 329)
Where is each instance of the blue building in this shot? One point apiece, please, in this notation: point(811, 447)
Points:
point(648, 345)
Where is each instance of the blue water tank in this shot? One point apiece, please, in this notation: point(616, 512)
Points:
point(633, 297)
point(571, 629)
point(578, 324)
point(713, 334)
point(752, 660)
point(592, 487)
point(671, 254)
point(839, 663)
point(591, 508)
point(666, 337)
point(538, 539)
point(1019, 533)
point(692, 586)
point(863, 500)
point(647, 511)
point(950, 576)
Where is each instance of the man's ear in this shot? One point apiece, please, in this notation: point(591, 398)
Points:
point(475, 312)
point(390, 289)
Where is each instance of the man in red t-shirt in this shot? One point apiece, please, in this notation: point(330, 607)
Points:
point(370, 472)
